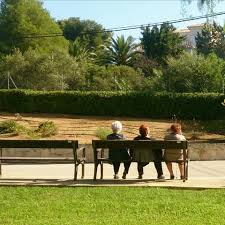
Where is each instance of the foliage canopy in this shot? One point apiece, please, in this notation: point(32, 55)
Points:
point(160, 43)
point(89, 32)
point(211, 40)
point(21, 19)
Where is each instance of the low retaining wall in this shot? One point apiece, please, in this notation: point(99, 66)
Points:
point(198, 151)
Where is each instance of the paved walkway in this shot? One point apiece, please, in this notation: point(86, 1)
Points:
point(202, 174)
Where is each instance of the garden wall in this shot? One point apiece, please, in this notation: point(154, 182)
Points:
point(198, 151)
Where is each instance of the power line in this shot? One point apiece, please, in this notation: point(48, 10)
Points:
point(40, 36)
point(168, 21)
point(124, 28)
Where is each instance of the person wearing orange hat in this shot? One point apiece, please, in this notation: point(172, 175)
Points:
point(144, 156)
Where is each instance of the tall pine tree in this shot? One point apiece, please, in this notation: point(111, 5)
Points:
point(160, 43)
point(20, 19)
point(211, 40)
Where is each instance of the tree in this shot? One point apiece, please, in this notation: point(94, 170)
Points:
point(122, 51)
point(194, 73)
point(148, 66)
point(43, 71)
point(211, 40)
point(80, 51)
point(89, 32)
point(160, 43)
point(20, 19)
point(125, 78)
point(113, 78)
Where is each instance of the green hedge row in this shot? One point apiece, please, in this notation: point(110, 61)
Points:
point(135, 104)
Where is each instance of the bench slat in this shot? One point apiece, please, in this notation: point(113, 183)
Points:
point(35, 158)
point(38, 144)
point(159, 144)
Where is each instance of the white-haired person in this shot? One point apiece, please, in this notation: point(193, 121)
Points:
point(118, 155)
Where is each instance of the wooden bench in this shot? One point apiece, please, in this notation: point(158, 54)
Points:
point(99, 146)
point(41, 146)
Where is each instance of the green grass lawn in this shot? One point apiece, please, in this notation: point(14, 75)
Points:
point(110, 205)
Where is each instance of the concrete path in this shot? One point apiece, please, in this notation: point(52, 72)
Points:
point(202, 174)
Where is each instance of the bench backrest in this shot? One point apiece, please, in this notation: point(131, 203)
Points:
point(132, 144)
point(39, 144)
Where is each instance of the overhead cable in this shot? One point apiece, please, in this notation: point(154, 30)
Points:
point(124, 28)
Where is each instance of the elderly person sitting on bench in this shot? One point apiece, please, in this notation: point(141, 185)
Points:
point(174, 155)
point(144, 156)
point(118, 155)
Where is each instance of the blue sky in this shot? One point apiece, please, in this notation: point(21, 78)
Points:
point(119, 13)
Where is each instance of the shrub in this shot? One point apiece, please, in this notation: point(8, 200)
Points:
point(42, 71)
point(197, 127)
point(112, 78)
point(136, 104)
point(102, 133)
point(44, 129)
point(59, 70)
point(47, 129)
point(10, 126)
point(194, 73)
point(213, 126)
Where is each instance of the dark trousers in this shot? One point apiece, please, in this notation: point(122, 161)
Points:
point(157, 163)
point(116, 166)
point(158, 167)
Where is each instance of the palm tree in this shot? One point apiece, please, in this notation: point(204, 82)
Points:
point(80, 51)
point(122, 51)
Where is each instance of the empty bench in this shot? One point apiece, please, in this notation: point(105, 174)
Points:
point(41, 146)
point(99, 155)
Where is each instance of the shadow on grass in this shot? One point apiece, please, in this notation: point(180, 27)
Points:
point(80, 182)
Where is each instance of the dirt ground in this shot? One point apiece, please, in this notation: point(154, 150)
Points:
point(83, 128)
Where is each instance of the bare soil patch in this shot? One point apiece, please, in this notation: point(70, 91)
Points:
point(83, 128)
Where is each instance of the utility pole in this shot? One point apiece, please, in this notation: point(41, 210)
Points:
point(10, 78)
point(8, 75)
point(62, 85)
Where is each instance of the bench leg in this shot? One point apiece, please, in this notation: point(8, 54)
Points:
point(82, 176)
point(186, 171)
point(95, 170)
point(185, 162)
point(187, 165)
point(101, 170)
point(75, 171)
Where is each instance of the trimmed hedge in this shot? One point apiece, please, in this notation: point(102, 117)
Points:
point(135, 104)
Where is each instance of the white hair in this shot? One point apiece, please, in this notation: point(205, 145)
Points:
point(116, 127)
